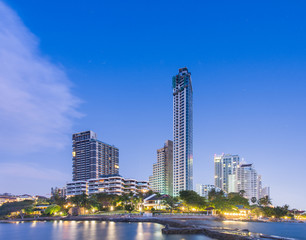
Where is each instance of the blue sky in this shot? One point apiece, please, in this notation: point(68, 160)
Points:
point(109, 67)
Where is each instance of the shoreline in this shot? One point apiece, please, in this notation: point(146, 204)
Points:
point(172, 225)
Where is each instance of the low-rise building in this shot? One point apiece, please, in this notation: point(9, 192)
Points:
point(155, 201)
point(112, 184)
point(76, 188)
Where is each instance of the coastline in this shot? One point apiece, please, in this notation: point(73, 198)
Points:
point(173, 225)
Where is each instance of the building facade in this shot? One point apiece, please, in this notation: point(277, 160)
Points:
point(204, 189)
point(264, 192)
point(60, 192)
point(225, 171)
point(182, 131)
point(92, 158)
point(112, 184)
point(76, 188)
point(162, 179)
point(248, 181)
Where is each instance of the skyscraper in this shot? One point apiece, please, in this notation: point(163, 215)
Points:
point(225, 171)
point(182, 132)
point(162, 179)
point(92, 158)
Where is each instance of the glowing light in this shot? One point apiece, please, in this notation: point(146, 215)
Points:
point(112, 208)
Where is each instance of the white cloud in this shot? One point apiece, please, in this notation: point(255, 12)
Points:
point(36, 103)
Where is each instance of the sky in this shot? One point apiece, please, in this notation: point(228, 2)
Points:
point(106, 66)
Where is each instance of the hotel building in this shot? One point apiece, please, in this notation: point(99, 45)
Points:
point(92, 158)
point(225, 171)
point(182, 132)
point(248, 181)
point(113, 184)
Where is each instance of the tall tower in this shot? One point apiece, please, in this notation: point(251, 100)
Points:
point(162, 179)
point(182, 132)
point(92, 158)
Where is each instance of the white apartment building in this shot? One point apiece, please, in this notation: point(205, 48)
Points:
point(248, 181)
point(182, 132)
point(114, 184)
point(225, 171)
point(76, 188)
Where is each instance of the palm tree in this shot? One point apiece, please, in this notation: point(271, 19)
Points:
point(253, 200)
point(170, 202)
point(264, 201)
point(241, 193)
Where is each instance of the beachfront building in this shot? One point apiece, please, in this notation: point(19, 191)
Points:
point(248, 181)
point(155, 201)
point(112, 184)
point(182, 132)
point(225, 171)
point(76, 188)
point(162, 179)
point(92, 158)
point(204, 189)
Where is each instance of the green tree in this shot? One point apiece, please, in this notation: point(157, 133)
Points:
point(253, 200)
point(52, 209)
point(264, 201)
point(80, 200)
point(237, 199)
point(213, 194)
point(129, 207)
point(58, 200)
point(192, 199)
point(257, 211)
point(170, 202)
point(7, 208)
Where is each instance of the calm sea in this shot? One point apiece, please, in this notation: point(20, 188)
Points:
point(88, 230)
point(288, 230)
point(94, 230)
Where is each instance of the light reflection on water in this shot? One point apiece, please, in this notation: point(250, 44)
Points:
point(88, 230)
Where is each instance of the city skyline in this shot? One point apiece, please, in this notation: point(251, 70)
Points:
point(248, 79)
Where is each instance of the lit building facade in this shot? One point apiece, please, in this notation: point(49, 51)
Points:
point(162, 179)
point(92, 158)
point(182, 131)
point(113, 184)
point(76, 188)
point(225, 171)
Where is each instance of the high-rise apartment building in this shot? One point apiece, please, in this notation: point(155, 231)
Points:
point(225, 171)
point(162, 179)
point(92, 158)
point(248, 181)
point(182, 132)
